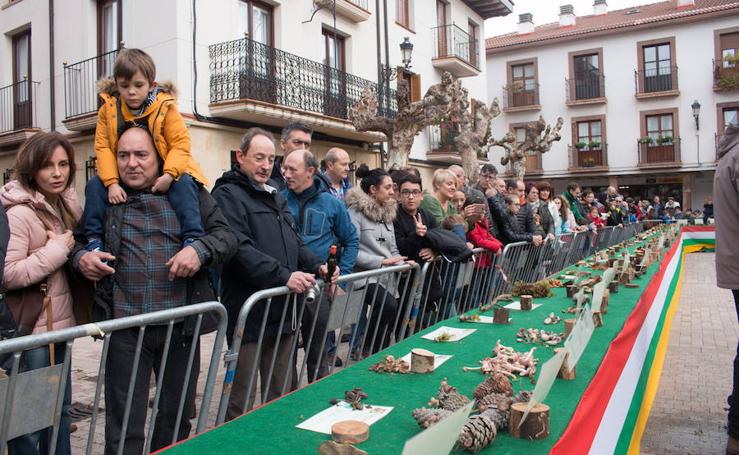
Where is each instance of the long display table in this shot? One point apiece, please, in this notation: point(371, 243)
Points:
point(603, 410)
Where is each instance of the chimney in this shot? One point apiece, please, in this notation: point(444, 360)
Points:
point(685, 3)
point(525, 23)
point(600, 7)
point(566, 16)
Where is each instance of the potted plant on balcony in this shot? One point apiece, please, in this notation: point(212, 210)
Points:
point(588, 162)
point(664, 140)
point(581, 145)
point(648, 140)
point(594, 145)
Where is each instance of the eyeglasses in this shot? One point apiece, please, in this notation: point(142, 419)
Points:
point(409, 193)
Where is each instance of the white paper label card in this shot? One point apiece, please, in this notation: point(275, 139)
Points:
point(579, 338)
point(547, 375)
point(448, 334)
point(646, 255)
point(608, 276)
point(598, 291)
point(324, 420)
point(516, 305)
point(439, 359)
point(439, 439)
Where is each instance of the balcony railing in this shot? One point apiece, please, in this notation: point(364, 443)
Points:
point(657, 80)
point(588, 156)
point(516, 96)
point(80, 92)
point(586, 86)
point(452, 41)
point(18, 106)
point(725, 78)
point(655, 153)
point(247, 69)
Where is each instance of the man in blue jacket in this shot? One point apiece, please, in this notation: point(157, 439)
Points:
point(322, 221)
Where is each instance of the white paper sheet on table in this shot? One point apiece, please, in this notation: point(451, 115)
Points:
point(455, 334)
point(547, 375)
point(324, 420)
point(439, 359)
point(516, 305)
point(569, 277)
point(439, 439)
point(598, 290)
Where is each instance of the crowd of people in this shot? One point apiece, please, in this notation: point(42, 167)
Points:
point(151, 235)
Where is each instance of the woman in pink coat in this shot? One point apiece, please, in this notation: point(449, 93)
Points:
point(42, 209)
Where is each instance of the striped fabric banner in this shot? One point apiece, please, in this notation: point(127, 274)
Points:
point(612, 414)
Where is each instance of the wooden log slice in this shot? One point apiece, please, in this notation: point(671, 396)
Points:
point(604, 301)
point(422, 361)
point(350, 432)
point(536, 425)
point(565, 372)
point(501, 315)
point(526, 302)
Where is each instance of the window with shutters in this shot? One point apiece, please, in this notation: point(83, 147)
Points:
point(588, 147)
point(660, 140)
point(404, 14)
point(523, 84)
point(414, 83)
point(657, 72)
point(726, 60)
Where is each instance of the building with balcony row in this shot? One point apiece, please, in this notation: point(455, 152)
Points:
point(236, 64)
point(645, 93)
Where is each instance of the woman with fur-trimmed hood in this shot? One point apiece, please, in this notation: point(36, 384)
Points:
point(372, 210)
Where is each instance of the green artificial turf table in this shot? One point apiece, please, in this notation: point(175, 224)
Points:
point(271, 429)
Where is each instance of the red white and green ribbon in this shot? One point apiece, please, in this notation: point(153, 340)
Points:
point(612, 414)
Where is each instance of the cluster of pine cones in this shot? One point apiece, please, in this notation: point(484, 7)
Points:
point(494, 398)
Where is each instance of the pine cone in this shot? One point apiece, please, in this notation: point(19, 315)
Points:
point(497, 383)
point(499, 418)
point(426, 417)
point(498, 401)
point(478, 432)
point(523, 396)
point(448, 398)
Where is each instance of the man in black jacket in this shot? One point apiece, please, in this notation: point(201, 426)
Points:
point(270, 253)
point(152, 272)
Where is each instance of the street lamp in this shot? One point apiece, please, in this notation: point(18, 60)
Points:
point(696, 106)
point(406, 52)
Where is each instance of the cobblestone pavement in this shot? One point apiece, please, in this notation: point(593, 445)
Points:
point(689, 412)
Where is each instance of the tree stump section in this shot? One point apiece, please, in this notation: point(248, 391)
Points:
point(422, 361)
point(536, 425)
point(349, 432)
point(597, 319)
point(501, 315)
point(571, 290)
point(565, 372)
point(334, 448)
point(569, 325)
point(526, 302)
point(604, 301)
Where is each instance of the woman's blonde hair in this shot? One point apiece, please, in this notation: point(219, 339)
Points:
point(441, 176)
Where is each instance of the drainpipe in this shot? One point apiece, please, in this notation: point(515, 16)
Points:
point(52, 91)
point(380, 77)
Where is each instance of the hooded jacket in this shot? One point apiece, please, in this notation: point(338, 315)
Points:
point(726, 209)
point(166, 126)
point(269, 250)
point(374, 223)
point(576, 208)
point(31, 257)
point(322, 221)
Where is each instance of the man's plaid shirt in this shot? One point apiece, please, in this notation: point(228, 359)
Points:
point(149, 238)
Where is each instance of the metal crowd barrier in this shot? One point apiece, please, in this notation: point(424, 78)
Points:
point(375, 311)
point(25, 395)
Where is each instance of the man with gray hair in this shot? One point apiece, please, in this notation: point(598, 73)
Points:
point(337, 172)
point(322, 220)
point(294, 136)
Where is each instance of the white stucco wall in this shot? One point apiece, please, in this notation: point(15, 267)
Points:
point(694, 45)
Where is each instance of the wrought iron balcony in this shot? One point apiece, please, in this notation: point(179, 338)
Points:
point(656, 81)
point(245, 69)
point(18, 106)
point(587, 156)
point(516, 96)
point(456, 51)
point(656, 152)
point(588, 85)
point(80, 91)
point(725, 78)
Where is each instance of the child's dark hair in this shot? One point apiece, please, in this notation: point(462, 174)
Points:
point(409, 178)
point(131, 60)
point(370, 178)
